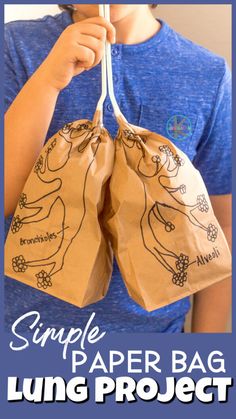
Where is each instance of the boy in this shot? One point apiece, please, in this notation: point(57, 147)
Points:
point(163, 82)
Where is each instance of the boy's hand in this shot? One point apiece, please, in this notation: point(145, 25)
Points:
point(79, 47)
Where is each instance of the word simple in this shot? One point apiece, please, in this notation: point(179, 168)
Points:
point(86, 335)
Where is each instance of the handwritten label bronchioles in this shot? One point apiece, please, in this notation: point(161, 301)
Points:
point(48, 237)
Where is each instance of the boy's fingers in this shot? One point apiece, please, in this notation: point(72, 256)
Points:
point(102, 23)
point(96, 45)
point(94, 30)
point(99, 20)
point(88, 55)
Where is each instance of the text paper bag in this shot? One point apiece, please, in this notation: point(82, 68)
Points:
point(166, 239)
point(56, 243)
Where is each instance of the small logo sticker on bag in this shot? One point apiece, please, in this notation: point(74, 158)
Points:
point(179, 127)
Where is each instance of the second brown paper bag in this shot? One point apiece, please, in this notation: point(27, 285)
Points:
point(165, 236)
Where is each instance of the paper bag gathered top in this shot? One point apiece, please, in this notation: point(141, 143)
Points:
point(155, 211)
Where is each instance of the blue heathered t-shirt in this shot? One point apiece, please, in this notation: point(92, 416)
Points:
point(166, 84)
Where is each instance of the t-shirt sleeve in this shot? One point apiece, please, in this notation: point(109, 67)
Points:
point(213, 158)
point(11, 69)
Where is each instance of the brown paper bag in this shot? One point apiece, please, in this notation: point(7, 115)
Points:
point(55, 242)
point(166, 239)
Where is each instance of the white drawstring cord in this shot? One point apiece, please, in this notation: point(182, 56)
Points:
point(104, 76)
point(116, 108)
point(106, 63)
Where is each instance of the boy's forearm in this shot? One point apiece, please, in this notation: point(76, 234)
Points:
point(25, 128)
point(211, 307)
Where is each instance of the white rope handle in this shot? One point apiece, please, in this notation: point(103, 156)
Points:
point(116, 108)
point(104, 76)
point(106, 63)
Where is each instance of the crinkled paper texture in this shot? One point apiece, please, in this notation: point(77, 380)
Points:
point(165, 236)
point(56, 242)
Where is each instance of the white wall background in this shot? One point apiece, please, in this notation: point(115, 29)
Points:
point(28, 11)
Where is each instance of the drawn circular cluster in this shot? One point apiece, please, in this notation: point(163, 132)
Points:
point(22, 200)
point(178, 160)
point(212, 232)
point(19, 264)
point(38, 165)
point(66, 128)
point(182, 189)
point(179, 278)
point(166, 150)
point(43, 279)
point(202, 203)
point(16, 224)
point(130, 135)
point(81, 127)
point(182, 263)
point(169, 227)
point(156, 159)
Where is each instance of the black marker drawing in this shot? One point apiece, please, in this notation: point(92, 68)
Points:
point(57, 195)
point(163, 167)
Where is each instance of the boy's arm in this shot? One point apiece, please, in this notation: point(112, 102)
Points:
point(80, 46)
point(25, 127)
point(211, 306)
